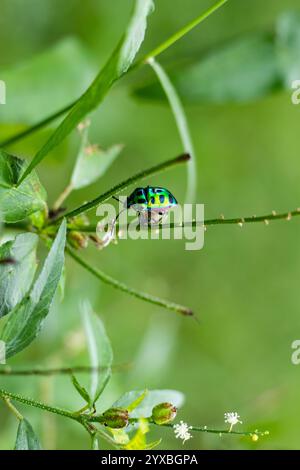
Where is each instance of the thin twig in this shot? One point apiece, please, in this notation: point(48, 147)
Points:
point(37, 404)
point(240, 221)
point(12, 408)
point(220, 431)
point(123, 287)
point(8, 371)
point(124, 184)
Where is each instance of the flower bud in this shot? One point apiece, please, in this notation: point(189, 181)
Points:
point(115, 418)
point(77, 240)
point(163, 413)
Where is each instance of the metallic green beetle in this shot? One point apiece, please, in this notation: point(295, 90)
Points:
point(151, 203)
point(151, 199)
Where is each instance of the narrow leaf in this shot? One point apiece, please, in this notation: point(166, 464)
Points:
point(81, 390)
point(153, 398)
point(100, 351)
point(25, 321)
point(26, 438)
point(117, 65)
point(16, 278)
point(17, 203)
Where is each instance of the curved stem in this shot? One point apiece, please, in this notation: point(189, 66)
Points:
point(123, 185)
point(123, 287)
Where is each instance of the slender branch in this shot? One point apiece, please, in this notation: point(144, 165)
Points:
point(124, 184)
point(7, 371)
point(240, 221)
point(123, 287)
point(182, 32)
point(39, 125)
point(12, 408)
point(61, 198)
point(220, 431)
point(182, 126)
point(154, 53)
point(28, 401)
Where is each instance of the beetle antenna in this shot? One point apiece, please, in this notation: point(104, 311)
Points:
point(116, 198)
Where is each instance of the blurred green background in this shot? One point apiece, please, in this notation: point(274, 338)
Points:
point(244, 284)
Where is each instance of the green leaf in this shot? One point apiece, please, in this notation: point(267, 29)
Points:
point(17, 203)
point(26, 438)
point(117, 65)
point(138, 441)
point(92, 163)
point(16, 278)
point(244, 70)
point(81, 390)
point(288, 47)
point(47, 82)
point(152, 398)
point(100, 351)
point(137, 401)
point(25, 321)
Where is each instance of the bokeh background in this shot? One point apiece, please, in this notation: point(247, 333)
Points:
point(244, 284)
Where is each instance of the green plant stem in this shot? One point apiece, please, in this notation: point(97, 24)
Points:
point(7, 371)
point(154, 53)
point(12, 408)
point(36, 127)
point(219, 431)
point(182, 32)
point(240, 221)
point(123, 185)
point(28, 401)
point(123, 287)
point(182, 126)
point(61, 198)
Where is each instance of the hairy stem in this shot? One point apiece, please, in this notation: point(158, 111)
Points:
point(28, 401)
point(221, 431)
point(240, 221)
point(123, 287)
point(124, 184)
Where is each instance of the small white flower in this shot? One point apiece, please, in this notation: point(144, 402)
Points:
point(232, 419)
point(182, 431)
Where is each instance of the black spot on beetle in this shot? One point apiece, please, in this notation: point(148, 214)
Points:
point(161, 198)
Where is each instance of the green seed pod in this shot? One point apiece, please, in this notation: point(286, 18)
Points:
point(115, 418)
point(163, 413)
